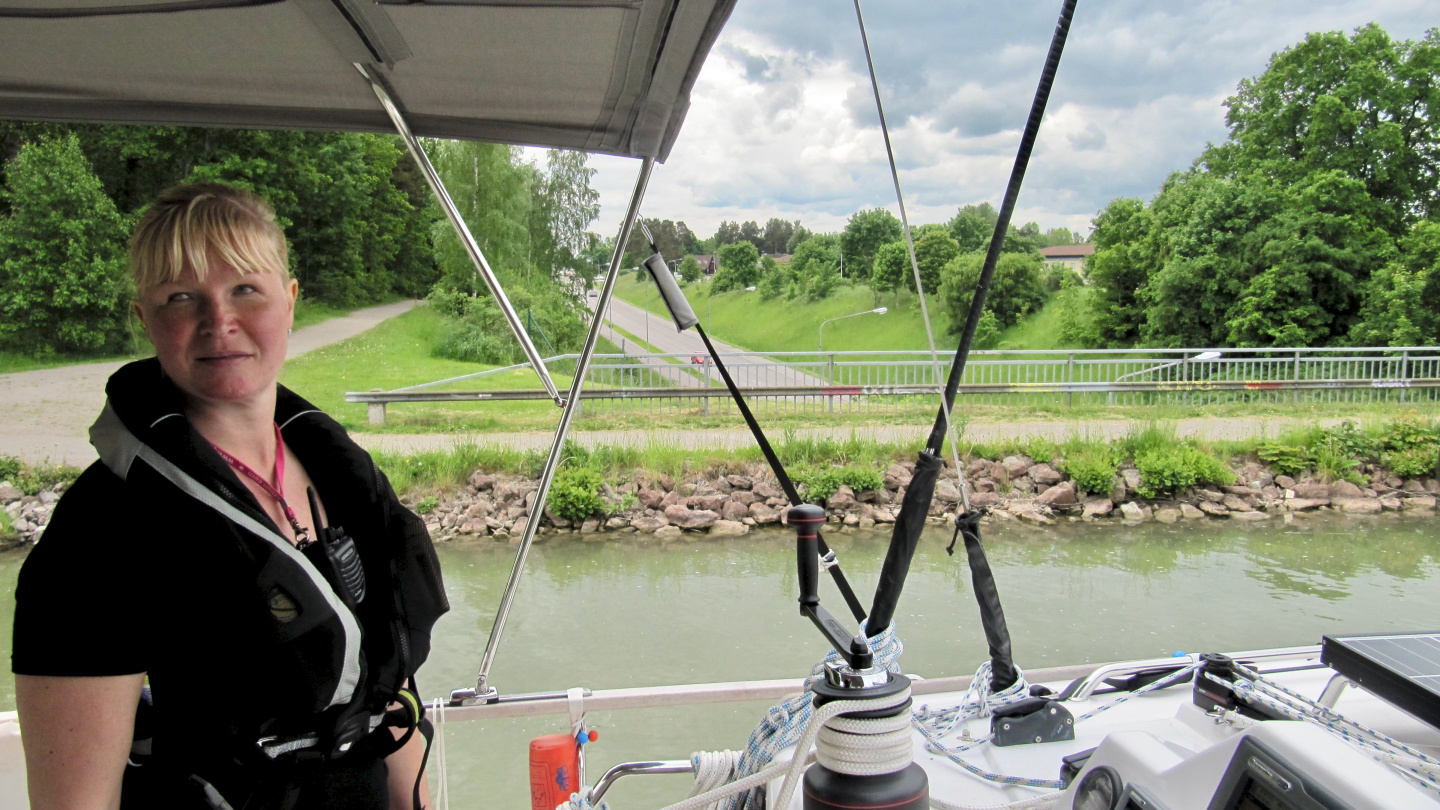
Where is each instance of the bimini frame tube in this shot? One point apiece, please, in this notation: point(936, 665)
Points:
point(463, 231)
point(483, 691)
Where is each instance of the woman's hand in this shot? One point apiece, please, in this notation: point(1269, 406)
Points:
point(77, 734)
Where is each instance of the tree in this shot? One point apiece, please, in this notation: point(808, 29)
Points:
point(727, 234)
point(690, 271)
point(773, 281)
point(490, 187)
point(1402, 304)
point(1120, 268)
point(62, 262)
point(933, 250)
point(800, 235)
point(777, 235)
point(891, 268)
point(864, 233)
point(739, 268)
point(1016, 290)
point(824, 278)
point(973, 225)
point(563, 209)
point(750, 232)
point(824, 247)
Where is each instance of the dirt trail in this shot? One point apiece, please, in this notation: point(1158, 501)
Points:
point(45, 414)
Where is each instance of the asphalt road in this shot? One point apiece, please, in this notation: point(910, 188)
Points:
point(748, 370)
point(46, 414)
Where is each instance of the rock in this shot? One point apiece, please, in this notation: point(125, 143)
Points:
point(1357, 506)
point(1015, 466)
point(1393, 481)
point(668, 533)
point(728, 528)
point(1023, 484)
point(616, 522)
point(767, 490)
point(10, 494)
point(740, 481)
point(1131, 477)
point(1132, 511)
point(896, 476)
point(734, 510)
point(998, 472)
point(1237, 504)
point(1033, 516)
point(518, 528)
point(1167, 515)
point(722, 486)
point(47, 497)
point(1044, 474)
point(1147, 512)
point(1305, 504)
point(1210, 495)
point(1311, 491)
point(666, 483)
point(851, 519)
point(982, 485)
point(671, 498)
point(1062, 494)
point(1118, 490)
point(685, 490)
point(866, 523)
point(947, 492)
point(979, 499)
point(1284, 482)
point(764, 515)
point(651, 498)
point(590, 526)
point(1250, 516)
point(1419, 502)
point(1432, 486)
point(706, 503)
point(844, 498)
point(649, 524)
point(1098, 507)
point(1272, 492)
point(480, 482)
point(690, 519)
point(1243, 492)
point(1390, 504)
point(977, 468)
point(749, 521)
point(473, 527)
point(1345, 489)
point(1189, 512)
point(1414, 485)
point(1213, 509)
point(743, 497)
point(555, 520)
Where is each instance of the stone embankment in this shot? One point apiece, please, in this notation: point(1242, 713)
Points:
point(1015, 488)
point(723, 503)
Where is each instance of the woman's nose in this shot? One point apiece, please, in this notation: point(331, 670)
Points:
point(218, 316)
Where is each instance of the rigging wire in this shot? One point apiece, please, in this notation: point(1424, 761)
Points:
point(914, 263)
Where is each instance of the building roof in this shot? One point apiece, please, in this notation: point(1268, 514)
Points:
point(1068, 251)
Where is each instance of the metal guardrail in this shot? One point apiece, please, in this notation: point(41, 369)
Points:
point(893, 381)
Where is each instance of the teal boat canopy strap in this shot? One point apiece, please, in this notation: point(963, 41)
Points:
point(608, 76)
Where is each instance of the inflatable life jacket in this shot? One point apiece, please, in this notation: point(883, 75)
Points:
point(347, 619)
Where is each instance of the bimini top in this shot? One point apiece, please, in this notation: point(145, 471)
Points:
point(610, 76)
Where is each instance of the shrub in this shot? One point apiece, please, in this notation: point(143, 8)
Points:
point(1347, 439)
point(1415, 462)
point(1332, 463)
point(1209, 469)
point(10, 468)
point(1283, 458)
point(822, 483)
point(7, 529)
point(575, 493)
point(31, 478)
point(1407, 431)
point(426, 505)
point(1093, 469)
point(1174, 468)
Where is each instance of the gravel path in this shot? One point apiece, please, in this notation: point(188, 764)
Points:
point(45, 414)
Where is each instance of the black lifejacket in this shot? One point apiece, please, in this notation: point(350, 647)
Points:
point(343, 659)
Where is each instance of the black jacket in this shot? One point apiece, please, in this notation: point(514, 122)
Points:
point(159, 560)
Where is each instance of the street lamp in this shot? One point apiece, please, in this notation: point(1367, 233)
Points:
point(1110, 400)
point(876, 311)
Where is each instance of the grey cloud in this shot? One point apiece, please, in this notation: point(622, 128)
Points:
point(1092, 139)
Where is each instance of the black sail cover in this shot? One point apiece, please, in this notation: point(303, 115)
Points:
point(611, 76)
point(906, 535)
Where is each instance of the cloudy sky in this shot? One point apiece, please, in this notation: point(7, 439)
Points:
point(782, 121)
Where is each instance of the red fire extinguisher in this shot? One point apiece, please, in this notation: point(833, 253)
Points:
point(555, 768)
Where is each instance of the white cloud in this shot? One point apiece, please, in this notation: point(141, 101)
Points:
point(782, 121)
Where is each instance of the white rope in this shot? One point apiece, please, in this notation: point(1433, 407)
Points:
point(817, 721)
point(713, 769)
point(748, 783)
point(865, 747)
point(441, 799)
point(1032, 803)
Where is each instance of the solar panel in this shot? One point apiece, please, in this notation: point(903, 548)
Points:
point(1403, 668)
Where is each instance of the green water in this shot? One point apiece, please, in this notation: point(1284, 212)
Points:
point(629, 613)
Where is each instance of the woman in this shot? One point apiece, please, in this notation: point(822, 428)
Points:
point(274, 623)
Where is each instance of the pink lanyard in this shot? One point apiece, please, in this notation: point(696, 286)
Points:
point(302, 535)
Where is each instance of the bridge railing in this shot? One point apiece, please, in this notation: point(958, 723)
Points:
point(897, 381)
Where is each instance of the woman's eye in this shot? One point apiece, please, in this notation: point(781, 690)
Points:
point(178, 297)
point(245, 289)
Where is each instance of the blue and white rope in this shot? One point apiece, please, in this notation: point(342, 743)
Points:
point(785, 722)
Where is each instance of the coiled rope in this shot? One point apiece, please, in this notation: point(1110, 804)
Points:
point(865, 747)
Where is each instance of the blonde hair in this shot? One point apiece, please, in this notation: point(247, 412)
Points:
point(186, 222)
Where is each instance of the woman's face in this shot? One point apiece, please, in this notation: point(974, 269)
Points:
point(222, 339)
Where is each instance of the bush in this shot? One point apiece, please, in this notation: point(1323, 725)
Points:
point(1093, 469)
point(1415, 462)
point(1406, 432)
point(10, 468)
point(1283, 458)
point(822, 483)
point(1172, 469)
point(32, 478)
point(575, 493)
point(426, 505)
point(1347, 439)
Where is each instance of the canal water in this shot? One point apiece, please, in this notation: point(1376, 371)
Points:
point(629, 612)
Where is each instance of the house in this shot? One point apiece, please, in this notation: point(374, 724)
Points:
point(707, 263)
point(1072, 256)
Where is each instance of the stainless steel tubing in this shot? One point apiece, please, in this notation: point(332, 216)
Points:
point(582, 366)
point(632, 768)
point(448, 206)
